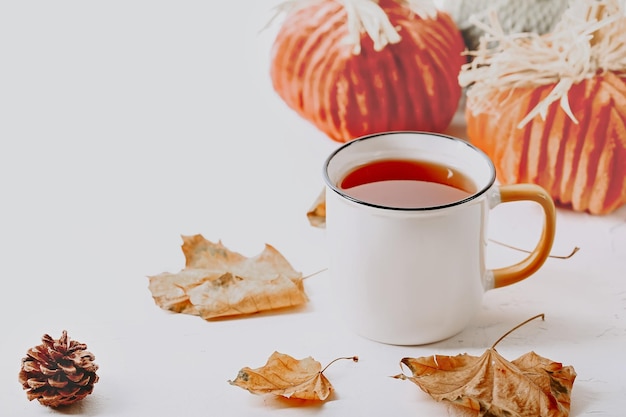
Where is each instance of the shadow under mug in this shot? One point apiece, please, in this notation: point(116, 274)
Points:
point(410, 276)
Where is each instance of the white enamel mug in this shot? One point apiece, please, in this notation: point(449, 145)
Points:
point(411, 276)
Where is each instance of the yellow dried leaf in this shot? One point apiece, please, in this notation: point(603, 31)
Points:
point(490, 385)
point(286, 376)
point(317, 211)
point(217, 282)
point(529, 386)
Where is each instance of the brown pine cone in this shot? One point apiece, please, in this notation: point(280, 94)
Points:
point(58, 372)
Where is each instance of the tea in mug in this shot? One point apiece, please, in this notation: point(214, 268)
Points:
point(406, 183)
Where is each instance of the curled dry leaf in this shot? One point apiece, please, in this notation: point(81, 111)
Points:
point(288, 377)
point(490, 385)
point(217, 282)
point(317, 211)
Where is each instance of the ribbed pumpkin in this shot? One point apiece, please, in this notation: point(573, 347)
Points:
point(557, 118)
point(355, 67)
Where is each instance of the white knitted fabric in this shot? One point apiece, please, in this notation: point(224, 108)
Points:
point(538, 16)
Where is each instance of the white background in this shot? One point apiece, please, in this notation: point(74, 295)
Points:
point(126, 124)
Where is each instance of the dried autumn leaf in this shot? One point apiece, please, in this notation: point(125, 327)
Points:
point(317, 211)
point(217, 282)
point(490, 385)
point(288, 377)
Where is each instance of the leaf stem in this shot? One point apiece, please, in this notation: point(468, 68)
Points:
point(353, 358)
point(517, 327)
point(506, 245)
point(315, 273)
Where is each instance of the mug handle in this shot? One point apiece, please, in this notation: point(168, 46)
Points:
point(517, 192)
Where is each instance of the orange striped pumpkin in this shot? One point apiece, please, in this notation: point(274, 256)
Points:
point(582, 165)
point(408, 85)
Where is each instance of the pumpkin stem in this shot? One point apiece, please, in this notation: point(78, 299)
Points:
point(597, 15)
point(587, 41)
point(367, 16)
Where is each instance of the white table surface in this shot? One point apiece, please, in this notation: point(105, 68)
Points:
point(126, 124)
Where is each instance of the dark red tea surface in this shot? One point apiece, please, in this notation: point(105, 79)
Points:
point(405, 183)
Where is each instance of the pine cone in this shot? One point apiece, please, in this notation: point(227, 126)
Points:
point(58, 372)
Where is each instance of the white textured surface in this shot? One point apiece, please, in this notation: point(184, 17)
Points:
point(124, 124)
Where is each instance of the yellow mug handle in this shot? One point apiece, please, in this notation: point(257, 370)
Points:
point(517, 192)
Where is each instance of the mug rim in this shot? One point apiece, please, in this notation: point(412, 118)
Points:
point(352, 142)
